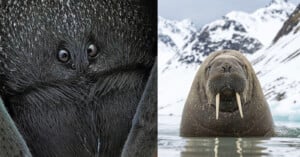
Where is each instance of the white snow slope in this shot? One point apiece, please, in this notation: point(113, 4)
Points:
point(264, 23)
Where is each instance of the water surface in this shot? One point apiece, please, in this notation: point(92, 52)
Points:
point(170, 144)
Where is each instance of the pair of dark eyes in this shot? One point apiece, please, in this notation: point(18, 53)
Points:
point(209, 66)
point(63, 55)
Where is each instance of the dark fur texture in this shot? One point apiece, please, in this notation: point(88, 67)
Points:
point(83, 107)
point(11, 141)
point(143, 134)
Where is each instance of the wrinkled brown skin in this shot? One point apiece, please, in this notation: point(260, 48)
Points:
point(199, 115)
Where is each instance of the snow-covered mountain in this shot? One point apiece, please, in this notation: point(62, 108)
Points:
point(174, 33)
point(246, 32)
point(171, 37)
point(276, 60)
point(277, 67)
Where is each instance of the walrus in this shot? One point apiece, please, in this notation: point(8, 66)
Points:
point(226, 99)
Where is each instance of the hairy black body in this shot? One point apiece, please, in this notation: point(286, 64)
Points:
point(73, 73)
point(143, 134)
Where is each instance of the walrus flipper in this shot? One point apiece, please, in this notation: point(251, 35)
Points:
point(142, 139)
point(11, 141)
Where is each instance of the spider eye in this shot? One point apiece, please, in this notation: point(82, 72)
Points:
point(92, 50)
point(63, 55)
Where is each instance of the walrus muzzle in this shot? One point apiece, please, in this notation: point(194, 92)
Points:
point(227, 84)
point(238, 99)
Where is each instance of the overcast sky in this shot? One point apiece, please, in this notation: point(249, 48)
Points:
point(205, 11)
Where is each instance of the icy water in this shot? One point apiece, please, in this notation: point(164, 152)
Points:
point(171, 145)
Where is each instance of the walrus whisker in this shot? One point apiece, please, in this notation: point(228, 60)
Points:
point(238, 100)
point(217, 105)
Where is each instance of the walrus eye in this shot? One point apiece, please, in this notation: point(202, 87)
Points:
point(208, 68)
point(92, 50)
point(63, 55)
point(243, 66)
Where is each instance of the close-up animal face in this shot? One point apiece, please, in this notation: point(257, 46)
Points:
point(227, 83)
point(72, 74)
point(73, 40)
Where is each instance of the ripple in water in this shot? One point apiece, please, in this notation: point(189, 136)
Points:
point(170, 144)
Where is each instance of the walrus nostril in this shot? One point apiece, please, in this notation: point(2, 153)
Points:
point(226, 68)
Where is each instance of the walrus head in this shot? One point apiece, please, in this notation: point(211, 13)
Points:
point(226, 83)
point(226, 99)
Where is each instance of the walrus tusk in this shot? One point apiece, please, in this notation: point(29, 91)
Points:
point(217, 105)
point(238, 100)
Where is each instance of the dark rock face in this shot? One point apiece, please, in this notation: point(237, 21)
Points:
point(72, 73)
point(166, 40)
point(289, 24)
